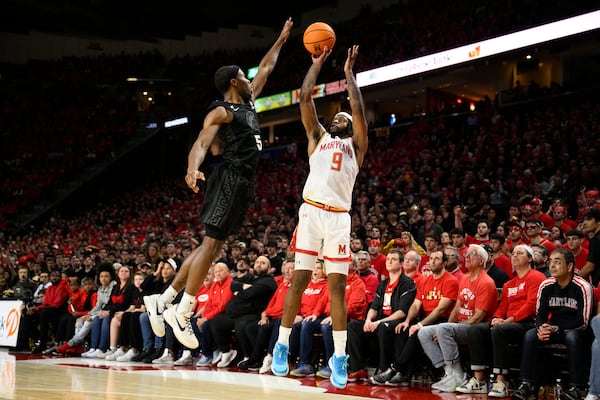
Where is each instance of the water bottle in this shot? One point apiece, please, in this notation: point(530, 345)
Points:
point(491, 382)
point(558, 389)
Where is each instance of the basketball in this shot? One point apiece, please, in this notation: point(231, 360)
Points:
point(317, 36)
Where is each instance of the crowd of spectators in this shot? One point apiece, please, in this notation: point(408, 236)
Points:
point(503, 167)
point(60, 117)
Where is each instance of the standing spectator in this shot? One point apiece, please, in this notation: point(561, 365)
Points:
point(574, 240)
point(533, 228)
point(591, 227)
point(499, 256)
point(377, 259)
point(428, 225)
point(564, 308)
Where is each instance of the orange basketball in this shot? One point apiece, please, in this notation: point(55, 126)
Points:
point(317, 36)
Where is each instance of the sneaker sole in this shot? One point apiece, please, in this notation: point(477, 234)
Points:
point(157, 322)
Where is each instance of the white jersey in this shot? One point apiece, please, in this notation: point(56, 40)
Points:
point(333, 171)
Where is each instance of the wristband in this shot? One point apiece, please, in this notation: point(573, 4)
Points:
point(420, 325)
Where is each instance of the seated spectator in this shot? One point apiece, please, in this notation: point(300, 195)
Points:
point(78, 306)
point(375, 334)
point(356, 306)
point(453, 263)
point(99, 298)
point(371, 281)
point(125, 331)
point(262, 333)
point(594, 390)
point(564, 307)
point(219, 295)
point(499, 276)
point(120, 299)
point(153, 329)
point(50, 311)
point(540, 259)
point(533, 228)
point(513, 317)
point(433, 303)
point(477, 301)
point(248, 302)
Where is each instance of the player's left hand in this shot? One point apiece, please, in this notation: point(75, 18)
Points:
point(192, 177)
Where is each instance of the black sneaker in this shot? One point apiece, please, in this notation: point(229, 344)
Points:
point(383, 378)
point(243, 365)
point(526, 391)
point(399, 380)
point(153, 356)
point(142, 354)
point(254, 365)
point(572, 393)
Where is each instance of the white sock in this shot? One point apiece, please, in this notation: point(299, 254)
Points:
point(284, 335)
point(168, 295)
point(457, 370)
point(448, 369)
point(186, 304)
point(339, 342)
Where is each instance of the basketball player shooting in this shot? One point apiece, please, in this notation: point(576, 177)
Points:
point(324, 221)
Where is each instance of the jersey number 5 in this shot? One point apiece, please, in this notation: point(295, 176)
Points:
point(336, 161)
point(259, 143)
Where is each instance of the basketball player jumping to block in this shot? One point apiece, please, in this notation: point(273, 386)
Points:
point(324, 220)
point(233, 124)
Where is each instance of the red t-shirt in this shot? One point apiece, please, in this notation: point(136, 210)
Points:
point(503, 262)
point(480, 293)
point(387, 297)
point(432, 290)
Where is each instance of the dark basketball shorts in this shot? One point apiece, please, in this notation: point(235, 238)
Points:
point(226, 202)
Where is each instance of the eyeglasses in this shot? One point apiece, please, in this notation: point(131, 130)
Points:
point(471, 254)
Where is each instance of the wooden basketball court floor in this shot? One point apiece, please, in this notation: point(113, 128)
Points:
point(26, 376)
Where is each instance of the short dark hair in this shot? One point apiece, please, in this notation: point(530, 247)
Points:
point(457, 231)
point(575, 232)
point(224, 75)
point(592, 213)
point(498, 237)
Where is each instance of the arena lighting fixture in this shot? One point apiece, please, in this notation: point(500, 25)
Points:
point(478, 50)
point(472, 52)
point(176, 122)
